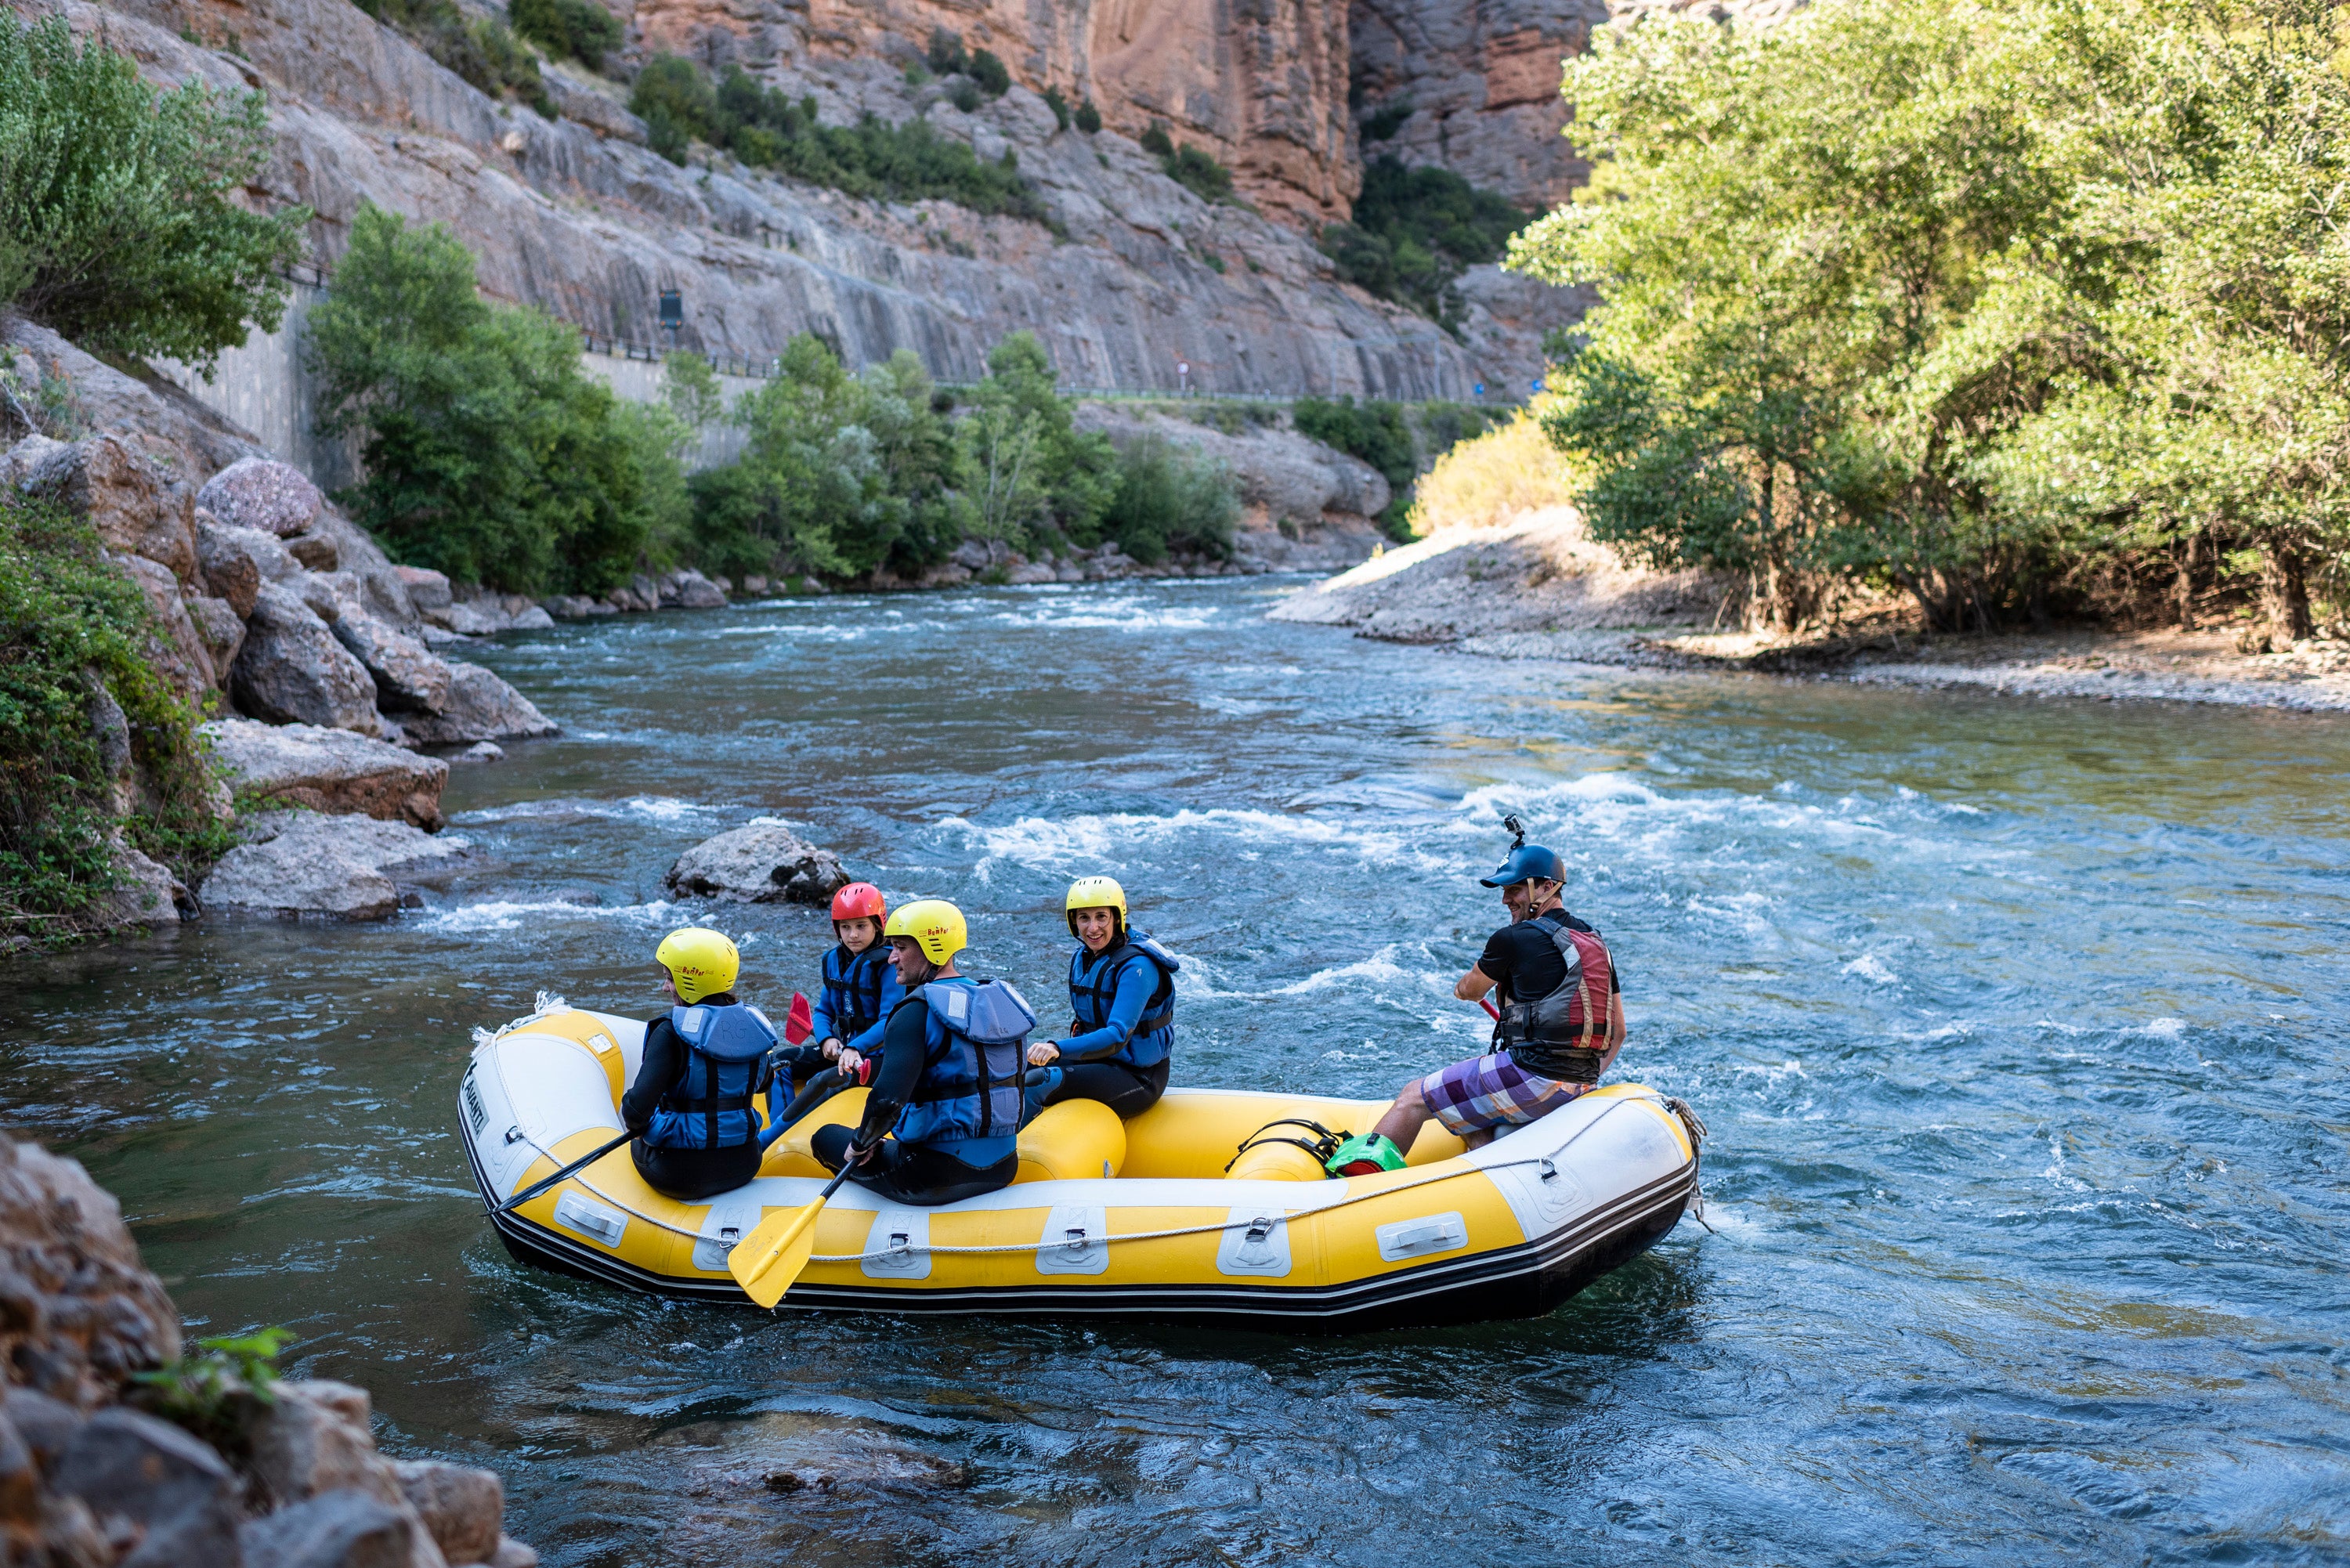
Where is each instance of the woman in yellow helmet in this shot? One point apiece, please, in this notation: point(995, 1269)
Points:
point(1122, 997)
point(706, 1064)
point(948, 1080)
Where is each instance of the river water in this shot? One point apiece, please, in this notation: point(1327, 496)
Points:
point(2019, 1027)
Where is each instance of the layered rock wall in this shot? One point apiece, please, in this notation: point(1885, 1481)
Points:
point(1480, 81)
point(1261, 84)
point(1143, 277)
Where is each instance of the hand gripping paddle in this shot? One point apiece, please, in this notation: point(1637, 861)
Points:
point(766, 1262)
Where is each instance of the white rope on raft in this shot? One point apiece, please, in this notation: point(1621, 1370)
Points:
point(1043, 1243)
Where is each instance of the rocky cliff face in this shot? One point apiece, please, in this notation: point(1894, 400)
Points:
point(574, 215)
point(1475, 83)
point(1261, 84)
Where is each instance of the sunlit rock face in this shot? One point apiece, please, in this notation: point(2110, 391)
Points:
point(1260, 84)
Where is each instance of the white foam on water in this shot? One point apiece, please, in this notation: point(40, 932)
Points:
point(2163, 1029)
point(1123, 839)
point(1196, 981)
point(1127, 616)
point(1870, 967)
point(508, 915)
point(646, 808)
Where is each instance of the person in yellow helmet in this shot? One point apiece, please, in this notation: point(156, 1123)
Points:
point(1122, 1002)
point(942, 1122)
point(706, 1064)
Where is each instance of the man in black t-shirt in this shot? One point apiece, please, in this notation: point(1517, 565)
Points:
point(1560, 1025)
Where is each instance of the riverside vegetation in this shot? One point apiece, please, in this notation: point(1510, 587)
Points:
point(491, 456)
point(2016, 311)
point(115, 226)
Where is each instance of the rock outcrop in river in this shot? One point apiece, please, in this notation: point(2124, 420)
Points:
point(118, 1450)
point(761, 863)
point(1534, 583)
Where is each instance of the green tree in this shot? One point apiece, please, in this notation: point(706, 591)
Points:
point(120, 222)
point(489, 453)
point(811, 488)
point(1169, 499)
point(690, 388)
point(1989, 306)
point(1028, 469)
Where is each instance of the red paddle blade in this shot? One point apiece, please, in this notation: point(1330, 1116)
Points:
point(800, 1022)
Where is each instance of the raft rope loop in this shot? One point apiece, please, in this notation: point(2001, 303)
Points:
point(1548, 1162)
point(1696, 1130)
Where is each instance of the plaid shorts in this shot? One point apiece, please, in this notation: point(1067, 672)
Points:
point(1492, 1091)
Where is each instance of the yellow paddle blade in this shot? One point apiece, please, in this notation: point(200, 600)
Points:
point(766, 1262)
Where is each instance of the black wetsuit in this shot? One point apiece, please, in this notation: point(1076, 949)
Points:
point(907, 1173)
point(681, 1173)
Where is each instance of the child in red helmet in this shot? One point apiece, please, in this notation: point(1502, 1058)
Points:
point(859, 988)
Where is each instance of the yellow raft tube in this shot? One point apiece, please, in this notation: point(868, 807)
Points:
point(1138, 1217)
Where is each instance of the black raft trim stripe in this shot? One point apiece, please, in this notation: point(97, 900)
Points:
point(1477, 1272)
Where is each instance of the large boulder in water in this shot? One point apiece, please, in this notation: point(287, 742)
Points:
point(764, 863)
point(291, 670)
point(298, 863)
point(478, 707)
point(331, 771)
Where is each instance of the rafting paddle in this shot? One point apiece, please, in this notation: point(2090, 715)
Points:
point(574, 1168)
point(766, 1262)
point(800, 1022)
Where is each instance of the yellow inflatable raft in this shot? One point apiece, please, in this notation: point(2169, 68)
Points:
point(1192, 1210)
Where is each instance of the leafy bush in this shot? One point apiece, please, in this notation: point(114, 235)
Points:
point(1087, 117)
point(965, 95)
point(873, 158)
point(1059, 105)
point(117, 223)
point(1187, 166)
point(580, 28)
point(482, 49)
point(946, 55)
point(1200, 173)
point(989, 72)
point(1413, 233)
point(1168, 498)
point(1376, 433)
point(74, 635)
point(489, 455)
point(1491, 478)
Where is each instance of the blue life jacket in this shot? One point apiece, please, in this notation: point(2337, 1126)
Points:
point(1093, 986)
point(853, 982)
point(970, 1087)
point(726, 1066)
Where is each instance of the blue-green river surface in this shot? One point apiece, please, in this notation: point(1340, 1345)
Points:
point(2019, 1027)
